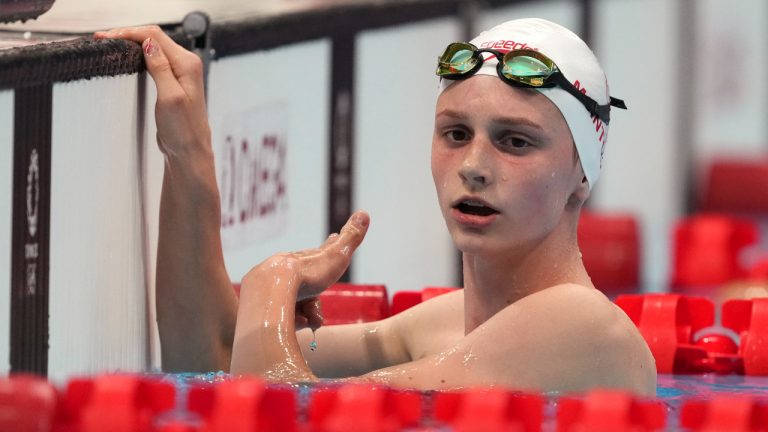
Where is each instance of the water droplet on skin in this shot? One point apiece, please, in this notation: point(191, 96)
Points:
point(313, 344)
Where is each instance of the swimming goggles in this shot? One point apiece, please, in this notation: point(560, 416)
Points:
point(519, 68)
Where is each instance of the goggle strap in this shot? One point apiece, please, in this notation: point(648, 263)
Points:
point(618, 103)
point(603, 112)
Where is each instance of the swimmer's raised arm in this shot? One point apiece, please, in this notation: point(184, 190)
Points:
point(196, 306)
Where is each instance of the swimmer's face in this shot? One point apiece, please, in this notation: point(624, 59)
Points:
point(504, 166)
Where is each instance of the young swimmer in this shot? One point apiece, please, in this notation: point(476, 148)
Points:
point(512, 167)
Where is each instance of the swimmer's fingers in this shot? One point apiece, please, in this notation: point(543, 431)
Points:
point(180, 113)
point(325, 265)
point(310, 309)
point(158, 65)
point(140, 34)
point(164, 57)
point(308, 314)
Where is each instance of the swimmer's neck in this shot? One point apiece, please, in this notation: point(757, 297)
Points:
point(493, 283)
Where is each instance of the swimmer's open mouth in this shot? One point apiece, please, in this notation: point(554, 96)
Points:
point(474, 207)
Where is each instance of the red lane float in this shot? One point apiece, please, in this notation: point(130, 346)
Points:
point(244, 405)
point(27, 404)
point(668, 323)
point(734, 413)
point(608, 411)
point(489, 410)
point(117, 403)
point(749, 318)
point(364, 408)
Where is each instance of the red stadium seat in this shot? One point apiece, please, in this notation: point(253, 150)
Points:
point(759, 272)
point(403, 300)
point(610, 248)
point(736, 186)
point(707, 249)
point(344, 303)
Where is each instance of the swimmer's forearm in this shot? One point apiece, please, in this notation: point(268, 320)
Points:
point(265, 337)
point(196, 306)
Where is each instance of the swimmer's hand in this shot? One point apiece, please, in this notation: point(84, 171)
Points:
point(311, 271)
point(265, 333)
point(309, 314)
point(180, 112)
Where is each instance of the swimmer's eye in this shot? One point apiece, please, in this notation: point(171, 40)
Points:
point(514, 143)
point(457, 135)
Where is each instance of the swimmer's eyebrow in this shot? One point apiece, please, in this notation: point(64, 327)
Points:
point(512, 121)
point(518, 121)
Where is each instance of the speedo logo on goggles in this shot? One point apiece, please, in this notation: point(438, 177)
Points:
point(519, 68)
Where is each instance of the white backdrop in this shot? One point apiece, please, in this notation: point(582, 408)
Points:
point(731, 86)
point(98, 310)
point(293, 80)
point(6, 194)
point(407, 246)
point(564, 12)
point(641, 172)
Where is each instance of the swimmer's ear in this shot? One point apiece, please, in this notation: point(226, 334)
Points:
point(580, 194)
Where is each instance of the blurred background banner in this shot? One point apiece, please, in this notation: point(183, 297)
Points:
point(252, 168)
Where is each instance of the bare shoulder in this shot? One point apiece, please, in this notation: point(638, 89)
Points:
point(574, 339)
point(432, 326)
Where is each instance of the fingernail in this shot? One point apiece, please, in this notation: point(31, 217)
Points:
point(150, 48)
point(360, 219)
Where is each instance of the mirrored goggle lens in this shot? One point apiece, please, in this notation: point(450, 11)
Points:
point(458, 58)
point(529, 68)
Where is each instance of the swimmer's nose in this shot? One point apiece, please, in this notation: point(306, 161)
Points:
point(475, 171)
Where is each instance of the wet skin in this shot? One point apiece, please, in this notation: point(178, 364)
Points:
point(528, 317)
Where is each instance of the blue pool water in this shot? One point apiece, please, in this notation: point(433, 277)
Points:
point(673, 390)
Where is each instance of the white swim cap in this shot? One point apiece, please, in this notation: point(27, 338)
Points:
point(576, 62)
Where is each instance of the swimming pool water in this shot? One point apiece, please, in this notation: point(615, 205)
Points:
point(673, 390)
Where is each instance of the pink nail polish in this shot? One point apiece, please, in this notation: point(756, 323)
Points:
point(150, 48)
point(361, 220)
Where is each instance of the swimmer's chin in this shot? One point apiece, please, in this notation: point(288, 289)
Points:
point(475, 243)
